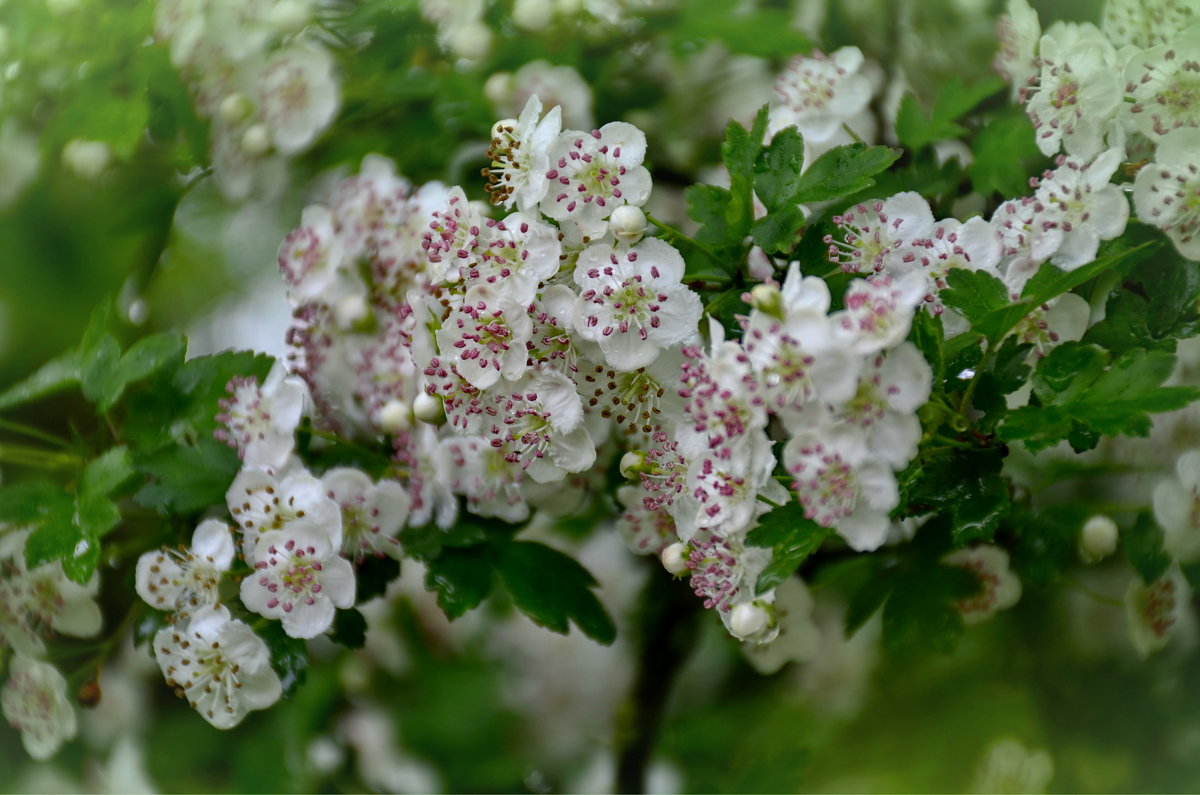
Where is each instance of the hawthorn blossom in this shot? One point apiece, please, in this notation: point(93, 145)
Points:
point(820, 92)
point(1165, 84)
point(35, 601)
point(538, 425)
point(639, 402)
point(260, 502)
point(35, 703)
point(452, 240)
point(879, 311)
point(841, 484)
point(591, 174)
point(1166, 192)
point(372, 513)
point(1079, 91)
point(1027, 239)
point(874, 234)
point(188, 579)
point(298, 95)
point(485, 337)
point(974, 245)
point(520, 156)
point(298, 578)
point(999, 588)
point(1019, 31)
point(645, 531)
point(723, 568)
point(312, 255)
point(725, 482)
point(892, 387)
point(799, 639)
point(1062, 319)
point(260, 423)
point(218, 665)
point(482, 473)
point(1177, 508)
point(632, 302)
point(1146, 23)
point(722, 401)
point(1157, 612)
point(1078, 199)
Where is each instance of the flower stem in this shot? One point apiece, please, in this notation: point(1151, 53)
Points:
point(673, 233)
point(21, 455)
point(33, 433)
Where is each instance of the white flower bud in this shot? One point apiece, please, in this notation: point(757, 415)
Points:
point(674, 558)
point(1098, 539)
point(532, 15)
point(256, 141)
point(748, 620)
point(628, 223)
point(499, 89)
point(630, 464)
point(428, 408)
point(503, 126)
point(350, 310)
point(88, 159)
point(471, 41)
point(394, 417)
point(235, 108)
point(289, 16)
point(767, 298)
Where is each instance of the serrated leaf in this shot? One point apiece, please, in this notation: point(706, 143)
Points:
point(779, 231)
point(739, 152)
point(792, 538)
point(106, 473)
point(187, 478)
point(975, 294)
point(349, 628)
point(1000, 148)
point(965, 486)
point(1143, 544)
point(289, 656)
point(916, 129)
point(32, 502)
point(100, 376)
point(96, 514)
point(145, 357)
point(56, 374)
point(462, 578)
point(1050, 282)
point(708, 206)
point(552, 589)
point(928, 335)
point(54, 539)
point(777, 169)
point(372, 575)
point(842, 171)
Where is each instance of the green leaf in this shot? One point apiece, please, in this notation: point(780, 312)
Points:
point(1143, 545)
point(975, 294)
point(56, 538)
point(708, 206)
point(372, 575)
point(349, 628)
point(1047, 541)
point(187, 478)
point(97, 515)
point(552, 588)
point(32, 502)
point(916, 129)
point(920, 613)
point(842, 171)
point(929, 336)
point(101, 378)
point(1076, 384)
point(764, 32)
point(1155, 305)
point(777, 169)
point(740, 151)
point(1050, 282)
point(965, 486)
point(792, 538)
point(289, 656)
point(107, 473)
point(56, 374)
point(426, 542)
point(1004, 150)
point(462, 578)
point(144, 358)
point(778, 232)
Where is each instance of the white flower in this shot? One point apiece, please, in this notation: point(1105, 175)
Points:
point(640, 402)
point(452, 240)
point(312, 255)
point(879, 311)
point(875, 233)
point(722, 568)
point(1008, 766)
point(1177, 508)
point(1079, 91)
point(260, 423)
point(721, 393)
point(799, 639)
point(999, 588)
point(260, 502)
point(974, 245)
point(645, 530)
point(821, 92)
point(515, 256)
point(892, 387)
point(298, 95)
point(372, 513)
point(1165, 82)
point(1079, 200)
point(1019, 31)
point(520, 155)
point(483, 474)
point(174, 580)
point(34, 601)
point(538, 425)
point(632, 302)
point(725, 482)
point(1157, 612)
point(221, 667)
point(485, 337)
point(298, 578)
point(1063, 319)
point(841, 485)
point(1027, 239)
point(1166, 192)
point(35, 703)
point(1145, 23)
point(592, 174)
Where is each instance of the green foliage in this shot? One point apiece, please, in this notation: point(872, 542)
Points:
point(843, 171)
point(186, 478)
point(1143, 545)
point(965, 486)
point(372, 575)
point(1081, 388)
point(289, 656)
point(792, 538)
point(349, 628)
point(916, 129)
point(766, 32)
point(1152, 307)
point(462, 578)
point(1048, 540)
point(1003, 150)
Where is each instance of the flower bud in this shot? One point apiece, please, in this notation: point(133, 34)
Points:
point(532, 15)
point(289, 16)
point(748, 620)
point(88, 159)
point(499, 89)
point(428, 408)
point(631, 463)
point(350, 310)
point(628, 223)
point(471, 41)
point(394, 417)
point(502, 127)
point(1098, 539)
point(674, 558)
point(235, 108)
point(767, 298)
point(256, 141)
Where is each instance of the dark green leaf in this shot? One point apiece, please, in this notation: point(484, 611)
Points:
point(32, 502)
point(372, 576)
point(842, 171)
point(107, 473)
point(778, 232)
point(929, 337)
point(101, 378)
point(55, 539)
point(462, 578)
point(187, 478)
point(289, 656)
point(740, 151)
point(1143, 545)
point(965, 486)
point(920, 613)
point(777, 170)
point(975, 294)
point(1152, 307)
point(1048, 540)
point(54, 375)
point(1051, 282)
point(552, 588)
point(349, 629)
point(1004, 150)
point(915, 128)
point(791, 537)
point(708, 206)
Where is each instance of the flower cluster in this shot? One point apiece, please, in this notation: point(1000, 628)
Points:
point(263, 77)
point(1128, 86)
